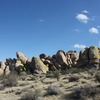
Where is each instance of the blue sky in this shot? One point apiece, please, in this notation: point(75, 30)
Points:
point(45, 26)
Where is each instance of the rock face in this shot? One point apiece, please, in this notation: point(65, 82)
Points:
point(2, 65)
point(61, 58)
point(4, 69)
point(88, 57)
point(38, 65)
point(7, 71)
point(72, 57)
point(22, 57)
point(58, 83)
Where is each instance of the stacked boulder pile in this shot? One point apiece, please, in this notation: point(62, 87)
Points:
point(72, 58)
point(88, 57)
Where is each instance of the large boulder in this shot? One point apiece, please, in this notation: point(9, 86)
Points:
point(19, 67)
point(69, 60)
point(22, 57)
point(2, 65)
point(38, 66)
point(11, 63)
point(83, 60)
point(4, 68)
point(42, 56)
point(94, 57)
point(84, 54)
point(89, 57)
point(93, 53)
point(61, 58)
point(7, 71)
point(50, 64)
point(72, 57)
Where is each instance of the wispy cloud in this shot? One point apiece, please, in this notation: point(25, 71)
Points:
point(93, 18)
point(41, 20)
point(94, 30)
point(77, 30)
point(82, 18)
point(79, 46)
point(85, 11)
point(98, 26)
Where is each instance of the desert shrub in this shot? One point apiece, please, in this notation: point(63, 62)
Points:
point(35, 76)
point(38, 93)
point(57, 74)
point(53, 90)
point(32, 95)
point(84, 93)
point(2, 77)
point(76, 70)
point(28, 96)
point(2, 87)
point(72, 70)
point(66, 71)
point(92, 71)
point(97, 76)
point(10, 80)
point(73, 78)
point(97, 97)
point(49, 74)
point(54, 74)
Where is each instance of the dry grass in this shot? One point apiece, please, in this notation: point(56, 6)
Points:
point(10, 80)
point(32, 95)
point(97, 76)
point(54, 90)
point(69, 85)
point(57, 74)
point(85, 93)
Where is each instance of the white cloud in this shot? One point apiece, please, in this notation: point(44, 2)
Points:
point(82, 18)
point(85, 11)
point(94, 30)
point(77, 30)
point(79, 46)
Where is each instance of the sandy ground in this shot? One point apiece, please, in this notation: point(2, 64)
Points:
point(29, 84)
